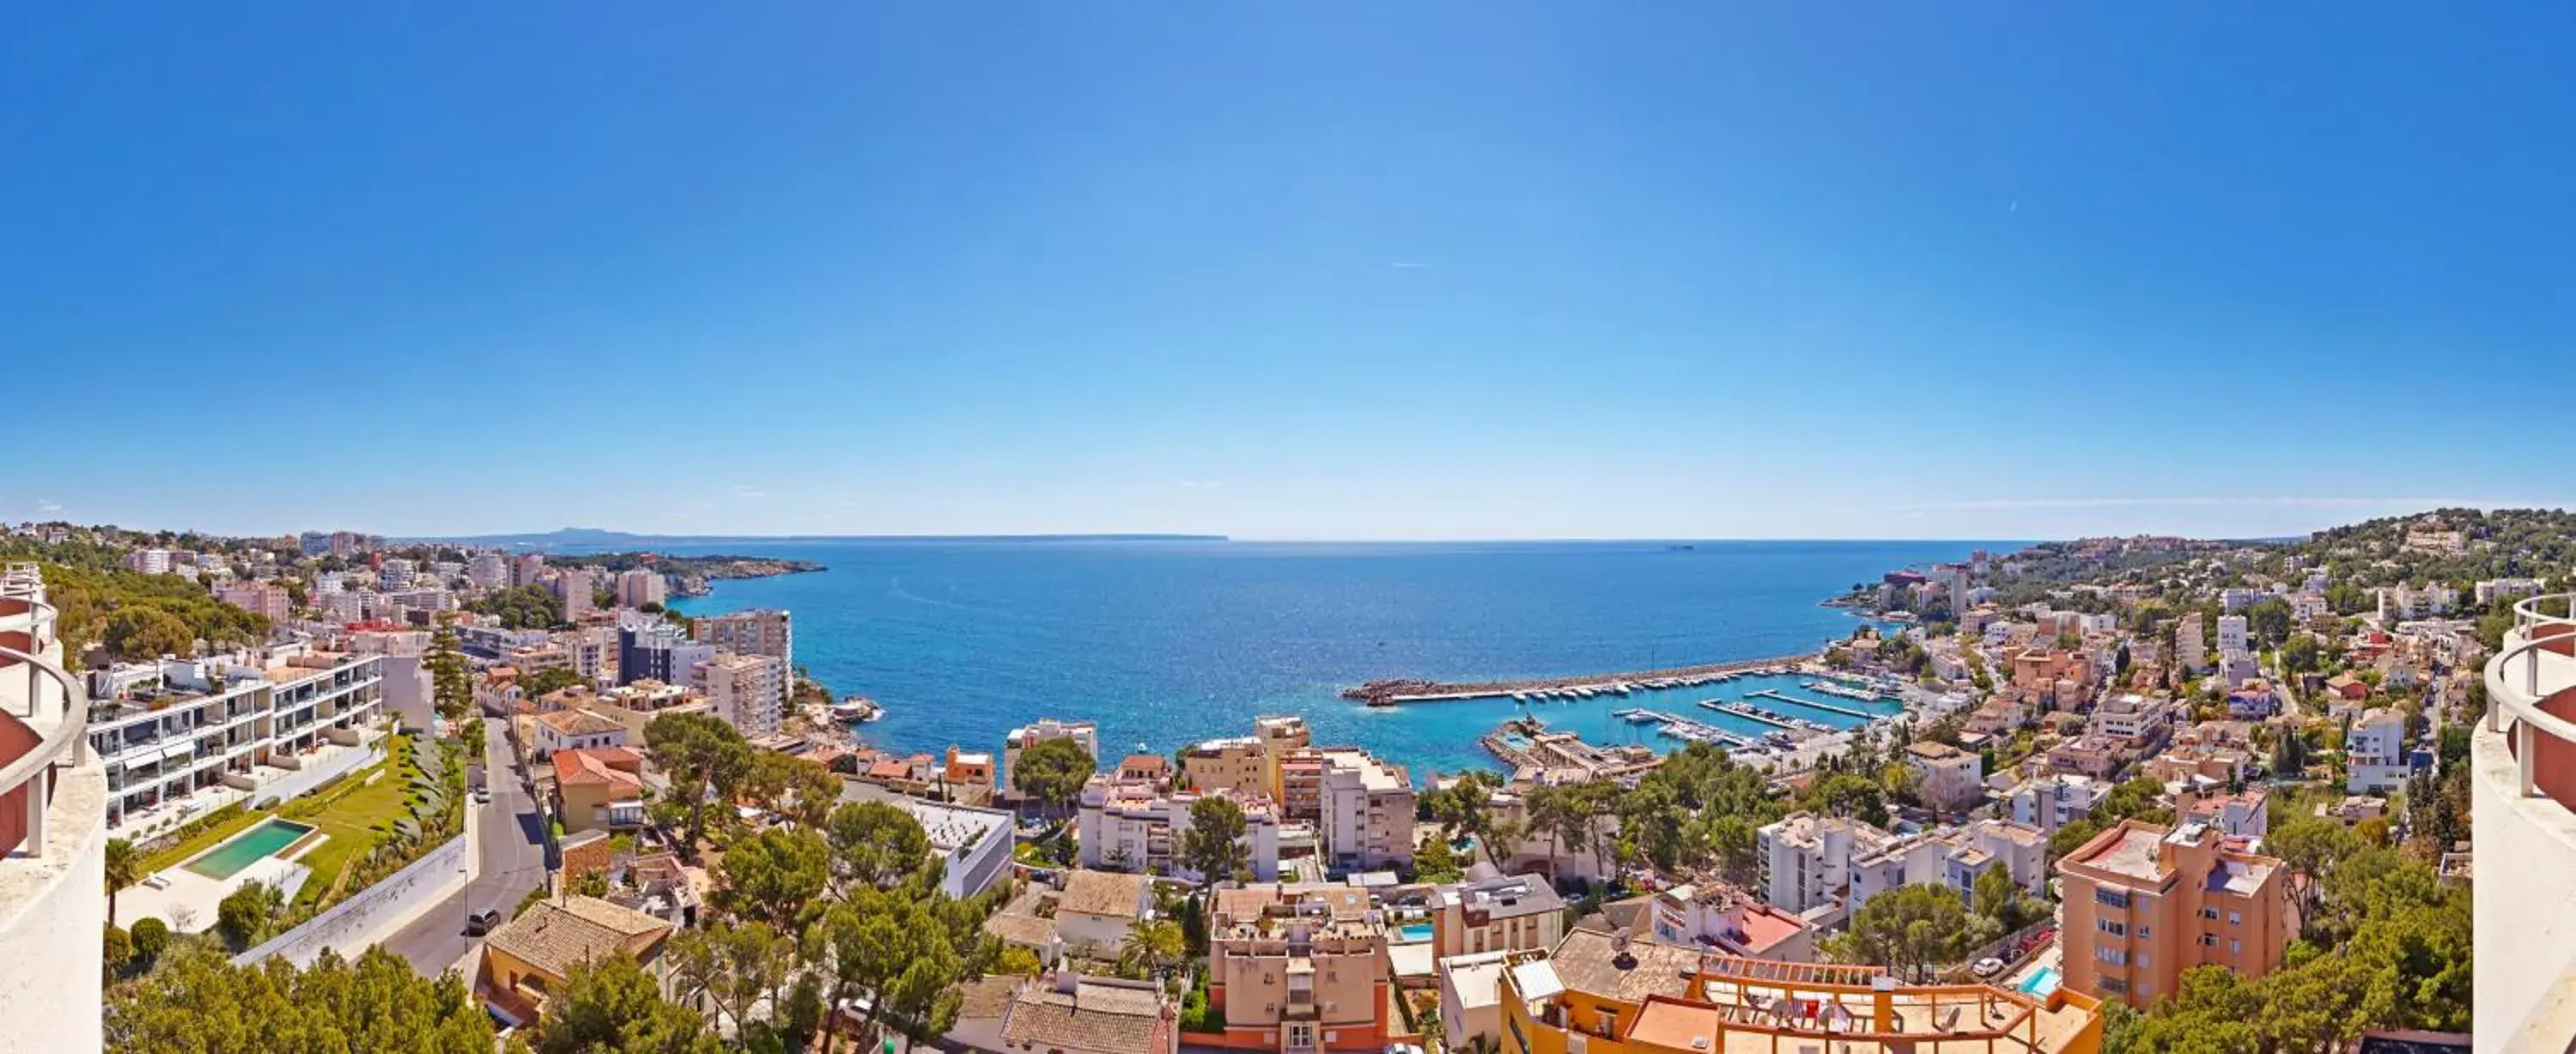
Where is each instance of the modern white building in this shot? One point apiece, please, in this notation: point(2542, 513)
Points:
point(2522, 779)
point(2050, 802)
point(2491, 590)
point(974, 843)
point(395, 574)
point(2231, 633)
point(488, 569)
point(1368, 805)
point(1133, 825)
point(204, 733)
point(2375, 751)
point(1045, 728)
point(53, 840)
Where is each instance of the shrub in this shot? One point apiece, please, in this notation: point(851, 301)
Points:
point(150, 937)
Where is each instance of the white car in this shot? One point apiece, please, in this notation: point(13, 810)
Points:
point(1987, 967)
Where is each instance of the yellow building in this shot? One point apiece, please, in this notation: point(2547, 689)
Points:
point(532, 956)
point(1236, 764)
point(1604, 993)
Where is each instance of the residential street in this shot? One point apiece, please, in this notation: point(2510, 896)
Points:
point(513, 854)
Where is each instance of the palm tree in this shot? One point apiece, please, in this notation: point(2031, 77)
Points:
point(1153, 948)
point(124, 868)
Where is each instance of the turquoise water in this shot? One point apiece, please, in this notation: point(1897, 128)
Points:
point(1172, 642)
point(1413, 933)
point(228, 859)
point(2040, 983)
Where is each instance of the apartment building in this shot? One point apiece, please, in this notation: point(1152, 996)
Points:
point(2191, 652)
point(266, 599)
point(1806, 859)
point(528, 570)
point(1948, 777)
point(395, 573)
point(637, 587)
point(2490, 590)
point(2144, 722)
point(1366, 809)
point(1496, 913)
point(1019, 740)
point(2375, 751)
point(1137, 825)
point(650, 648)
point(1299, 969)
point(1280, 736)
point(745, 690)
point(148, 561)
point(760, 631)
point(2053, 801)
point(577, 589)
point(2143, 902)
point(408, 692)
point(1237, 764)
point(974, 843)
point(487, 569)
point(201, 733)
point(2405, 603)
point(1602, 992)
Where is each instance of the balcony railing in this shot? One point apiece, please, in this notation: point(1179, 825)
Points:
point(2537, 664)
point(25, 779)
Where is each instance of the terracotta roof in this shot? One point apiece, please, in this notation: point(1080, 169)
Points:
point(988, 996)
point(1095, 1016)
point(1586, 961)
point(578, 723)
point(596, 766)
point(556, 935)
point(1028, 931)
point(1103, 893)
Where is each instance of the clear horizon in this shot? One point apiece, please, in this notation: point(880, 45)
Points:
point(1337, 272)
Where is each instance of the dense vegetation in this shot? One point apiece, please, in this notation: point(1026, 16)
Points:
point(197, 1002)
point(523, 607)
point(138, 616)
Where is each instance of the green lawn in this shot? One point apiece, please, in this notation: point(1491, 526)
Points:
point(353, 820)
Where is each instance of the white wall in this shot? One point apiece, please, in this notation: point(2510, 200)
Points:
point(2525, 916)
point(52, 914)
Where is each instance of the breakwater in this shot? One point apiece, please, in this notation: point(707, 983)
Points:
point(1394, 692)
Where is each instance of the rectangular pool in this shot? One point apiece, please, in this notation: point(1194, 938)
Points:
point(2040, 982)
point(1413, 933)
point(227, 860)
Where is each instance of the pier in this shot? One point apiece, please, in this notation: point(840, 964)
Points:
point(1813, 705)
point(1748, 713)
point(1394, 692)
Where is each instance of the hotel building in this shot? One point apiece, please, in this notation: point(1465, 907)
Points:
point(1299, 969)
point(1137, 825)
point(2142, 903)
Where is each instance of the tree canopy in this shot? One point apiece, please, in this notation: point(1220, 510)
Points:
point(198, 1003)
point(1052, 771)
point(1214, 845)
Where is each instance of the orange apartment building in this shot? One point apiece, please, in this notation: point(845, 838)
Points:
point(1607, 993)
point(1298, 969)
point(2145, 902)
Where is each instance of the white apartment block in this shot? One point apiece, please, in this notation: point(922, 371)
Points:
point(2494, 589)
point(745, 691)
point(2133, 717)
point(527, 570)
point(2402, 603)
point(1367, 818)
point(488, 569)
point(149, 561)
point(2231, 634)
point(2375, 751)
point(2235, 600)
point(2053, 801)
point(203, 733)
point(1806, 859)
point(1127, 825)
point(1020, 739)
point(395, 574)
point(1948, 776)
point(974, 843)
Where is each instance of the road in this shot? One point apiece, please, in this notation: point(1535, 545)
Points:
point(512, 849)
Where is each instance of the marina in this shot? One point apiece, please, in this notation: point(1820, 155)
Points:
point(1779, 697)
point(1396, 692)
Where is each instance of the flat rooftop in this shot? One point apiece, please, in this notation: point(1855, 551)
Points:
point(2132, 853)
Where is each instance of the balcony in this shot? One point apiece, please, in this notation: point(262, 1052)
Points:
point(2523, 758)
point(53, 819)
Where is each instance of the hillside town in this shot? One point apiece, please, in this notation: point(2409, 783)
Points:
point(2123, 762)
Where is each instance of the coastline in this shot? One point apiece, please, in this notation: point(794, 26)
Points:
point(1392, 692)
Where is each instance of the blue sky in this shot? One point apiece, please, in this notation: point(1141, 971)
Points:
point(1312, 271)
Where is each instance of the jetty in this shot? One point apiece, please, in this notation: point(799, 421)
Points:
point(1867, 695)
point(1539, 757)
point(1811, 704)
point(1586, 686)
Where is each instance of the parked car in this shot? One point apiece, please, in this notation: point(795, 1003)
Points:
point(1988, 966)
point(481, 922)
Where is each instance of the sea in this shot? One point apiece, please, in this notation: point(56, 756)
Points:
point(1166, 643)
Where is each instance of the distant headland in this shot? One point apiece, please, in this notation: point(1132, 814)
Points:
point(596, 537)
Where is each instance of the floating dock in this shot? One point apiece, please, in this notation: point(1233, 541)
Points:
point(1393, 692)
point(1813, 705)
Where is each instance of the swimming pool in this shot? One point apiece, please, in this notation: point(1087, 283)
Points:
point(1413, 933)
point(2040, 982)
point(248, 847)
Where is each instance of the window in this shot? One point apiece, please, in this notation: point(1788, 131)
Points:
point(2235, 918)
point(2115, 929)
point(1608, 1020)
point(2114, 956)
point(2235, 946)
point(2209, 913)
point(2209, 940)
point(2113, 985)
point(2111, 898)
